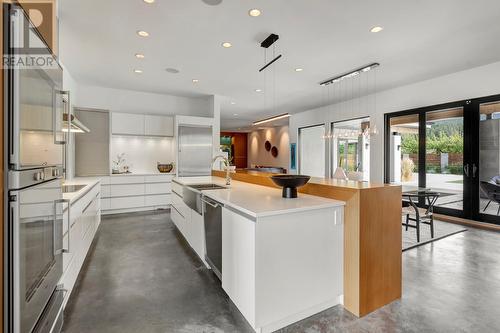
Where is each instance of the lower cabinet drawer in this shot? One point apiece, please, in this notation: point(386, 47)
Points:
point(127, 189)
point(176, 217)
point(105, 204)
point(126, 202)
point(158, 188)
point(105, 191)
point(157, 200)
point(158, 178)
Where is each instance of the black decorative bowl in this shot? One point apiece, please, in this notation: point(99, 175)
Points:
point(290, 183)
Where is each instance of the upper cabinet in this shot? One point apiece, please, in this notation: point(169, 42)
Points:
point(127, 123)
point(142, 125)
point(158, 125)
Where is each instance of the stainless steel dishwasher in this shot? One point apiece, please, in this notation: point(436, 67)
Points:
point(212, 212)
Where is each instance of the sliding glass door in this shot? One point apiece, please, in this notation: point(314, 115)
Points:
point(425, 151)
point(486, 167)
point(444, 156)
point(453, 149)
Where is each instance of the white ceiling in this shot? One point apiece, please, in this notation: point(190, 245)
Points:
point(421, 39)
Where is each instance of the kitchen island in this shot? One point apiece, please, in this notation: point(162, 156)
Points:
point(372, 236)
point(282, 259)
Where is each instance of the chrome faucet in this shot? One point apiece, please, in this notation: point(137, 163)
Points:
point(226, 162)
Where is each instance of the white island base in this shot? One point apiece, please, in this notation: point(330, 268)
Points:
point(280, 269)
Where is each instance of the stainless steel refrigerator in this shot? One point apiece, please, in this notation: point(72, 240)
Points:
point(194, 151)
point(36, 140)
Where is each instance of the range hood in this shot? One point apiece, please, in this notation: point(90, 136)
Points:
point(74, 126)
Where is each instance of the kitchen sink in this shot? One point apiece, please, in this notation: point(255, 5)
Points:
point(191, 195)
point(202, 187)
point(72, 188)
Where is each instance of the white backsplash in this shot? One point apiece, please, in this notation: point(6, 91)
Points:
point(142, 153)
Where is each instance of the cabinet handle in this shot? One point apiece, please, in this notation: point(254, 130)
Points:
point(62, 201)
point(87, 207)
point(208, 202)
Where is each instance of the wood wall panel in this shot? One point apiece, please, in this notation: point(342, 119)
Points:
point(372, 237)
point(239, 142)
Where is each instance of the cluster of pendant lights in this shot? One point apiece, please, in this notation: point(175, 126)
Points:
point(352, 93)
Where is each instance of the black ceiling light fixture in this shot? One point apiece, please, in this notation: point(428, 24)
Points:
point(266, 43)
point(350, 74)
point(212, 2)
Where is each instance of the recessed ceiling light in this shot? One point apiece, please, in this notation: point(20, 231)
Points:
point(258, 90)
point(235, 114)
point(299, 69)
point(196, 80)
point(142, 33)
point(233, 103)
point(139, 56)
point(172, 70)
point(227, 45)
point(254, 12)
point(149, 1)
point(376, 29)
point(138, 71)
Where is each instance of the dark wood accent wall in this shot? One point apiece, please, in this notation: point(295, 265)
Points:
point(239, 143)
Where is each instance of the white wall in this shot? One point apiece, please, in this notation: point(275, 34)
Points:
point(472, 83)
point(140, 102)
point(143, 153)
point(258, 155)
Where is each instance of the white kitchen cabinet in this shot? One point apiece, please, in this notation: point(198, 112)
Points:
point(238, 261)
point(126, 179)
point(141, 125)
point(85, 219)
point(157, 188)
point(158, 179)
point(260, 260)
point(123, 190)
point(197, 234)
point(127, 123)
point(131, 193)
point(176, 217)
point(158, 125)
point(127, 202)
point(157, 200)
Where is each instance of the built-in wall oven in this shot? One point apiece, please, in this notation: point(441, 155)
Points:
point(35, 153)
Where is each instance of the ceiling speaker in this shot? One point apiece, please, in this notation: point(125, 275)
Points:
point(212, 2)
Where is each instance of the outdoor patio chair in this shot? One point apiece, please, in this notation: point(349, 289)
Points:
point(420, 215)
point(492, 191)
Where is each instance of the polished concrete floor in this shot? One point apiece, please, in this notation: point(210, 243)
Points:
point(140, 276)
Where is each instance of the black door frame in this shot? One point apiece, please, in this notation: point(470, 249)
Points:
point(476, 212)
point(471, 108)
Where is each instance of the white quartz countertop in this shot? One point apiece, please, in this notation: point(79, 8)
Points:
point(89, 183)
point(258, 201)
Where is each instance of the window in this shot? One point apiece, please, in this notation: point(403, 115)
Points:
point(351, 148)
point(312, 151)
